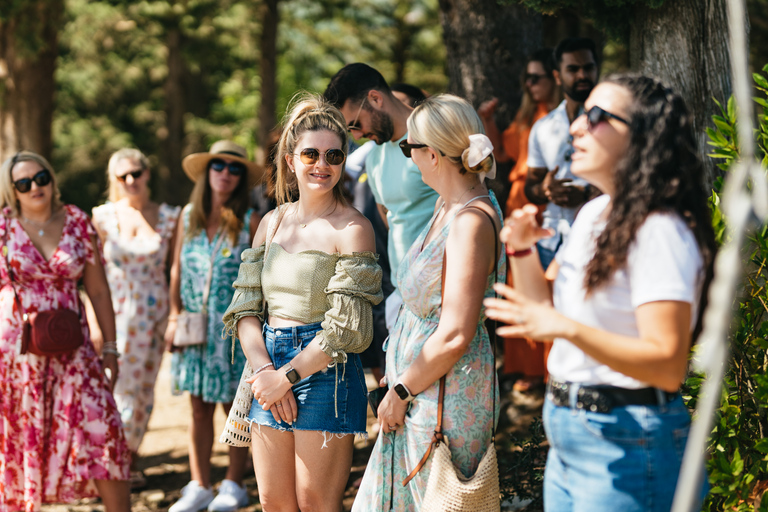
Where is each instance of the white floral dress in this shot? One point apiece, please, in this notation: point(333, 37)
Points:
point(139, 287)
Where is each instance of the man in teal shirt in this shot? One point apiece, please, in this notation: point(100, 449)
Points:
point(404, 200)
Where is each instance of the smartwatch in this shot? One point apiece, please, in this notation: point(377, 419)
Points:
point(403, 392)
point(291, 374)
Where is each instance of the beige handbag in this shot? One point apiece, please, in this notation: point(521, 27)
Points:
point(237, 429)
point(192, 328)
point(447, 488)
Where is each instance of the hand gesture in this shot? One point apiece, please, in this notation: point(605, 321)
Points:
point(526, 318)
point(109, 361)
point(392, 412)
point(273, 392)
point(487, 109)
point(170, 333)
point(521, 229)
point(564, 193)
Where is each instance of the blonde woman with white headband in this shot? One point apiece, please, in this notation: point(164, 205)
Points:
point(439, 332)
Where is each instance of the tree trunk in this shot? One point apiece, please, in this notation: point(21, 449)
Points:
point(268, 68)
point(685, 44)
point(486, 48)
point(28, 51)
point(171, 171)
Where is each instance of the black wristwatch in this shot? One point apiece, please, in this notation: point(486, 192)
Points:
point(403, 392)
point(291, 374)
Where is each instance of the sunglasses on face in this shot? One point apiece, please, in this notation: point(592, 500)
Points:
point(597, 115)
point(533, 78)
point(133, 174)
point(354, 124)
point(234, 168)
point(24, 185)
point(406, 147)
point(310, 156)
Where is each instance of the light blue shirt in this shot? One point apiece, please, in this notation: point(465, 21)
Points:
point(396, 183)
point(550, 146)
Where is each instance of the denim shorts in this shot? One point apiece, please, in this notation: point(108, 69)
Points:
point(628, 459)
point(317, 409)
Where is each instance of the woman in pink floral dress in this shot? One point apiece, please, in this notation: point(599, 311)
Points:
point(61, 437)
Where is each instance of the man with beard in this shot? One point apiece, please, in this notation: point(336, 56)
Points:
point(405, 202)
point(549, 178)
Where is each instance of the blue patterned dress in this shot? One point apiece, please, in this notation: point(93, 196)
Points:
point(468, 403)
point(206, 370)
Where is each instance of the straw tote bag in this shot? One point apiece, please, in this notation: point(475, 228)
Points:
point(447, 488)
point(237, 429)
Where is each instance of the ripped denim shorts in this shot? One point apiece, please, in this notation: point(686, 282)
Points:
point(317, 409)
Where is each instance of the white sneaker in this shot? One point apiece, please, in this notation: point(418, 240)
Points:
point(194, 497)
point(230, 498)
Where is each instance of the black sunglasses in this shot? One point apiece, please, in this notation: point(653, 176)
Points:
point(596, 115)
point(42, 178)
point(310, 156)
point(533, 78)
point(133, 174)
point(406, 147)
point(234, 168)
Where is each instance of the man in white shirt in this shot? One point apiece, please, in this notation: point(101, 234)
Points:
point(549, 179)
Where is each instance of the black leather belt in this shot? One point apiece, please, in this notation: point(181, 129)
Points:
point(603, 398)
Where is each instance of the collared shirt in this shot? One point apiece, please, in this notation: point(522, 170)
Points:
point(396, 183)
point(550, 146)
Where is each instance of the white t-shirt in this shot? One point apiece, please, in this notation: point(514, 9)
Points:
point(549, 146)
point(664, 263)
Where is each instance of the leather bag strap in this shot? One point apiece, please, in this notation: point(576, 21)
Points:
point(437, 437)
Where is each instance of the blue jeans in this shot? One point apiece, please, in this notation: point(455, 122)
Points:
point(627, 460)
point(546, 255)
point(332, 401)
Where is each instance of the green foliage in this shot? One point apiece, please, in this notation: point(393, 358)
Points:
point(612, 16)
point(112, 71)
point(738, 464)
point(521, 465)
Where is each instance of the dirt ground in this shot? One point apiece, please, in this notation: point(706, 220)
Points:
point(165, 463)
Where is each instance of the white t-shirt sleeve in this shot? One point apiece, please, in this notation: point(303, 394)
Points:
point(535, 156)
point(664, 262)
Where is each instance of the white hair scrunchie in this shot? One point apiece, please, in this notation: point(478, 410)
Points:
point(480, 147)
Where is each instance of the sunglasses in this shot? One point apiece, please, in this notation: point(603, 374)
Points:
point(597, 115)
point(406, 147)
point(133, 174)
point(353, 125)
point(234, 168)
point(533, 78)
point(24, 185)
point(310, 156)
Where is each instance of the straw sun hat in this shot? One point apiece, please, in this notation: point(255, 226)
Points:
point(196, 164)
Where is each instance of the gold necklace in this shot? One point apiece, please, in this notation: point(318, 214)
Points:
point(296, 214)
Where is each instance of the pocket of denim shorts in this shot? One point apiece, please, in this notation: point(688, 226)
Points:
point(619, 427)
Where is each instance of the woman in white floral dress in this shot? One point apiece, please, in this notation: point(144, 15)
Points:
point(136, 233)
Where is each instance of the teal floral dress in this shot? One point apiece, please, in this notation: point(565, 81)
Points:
point(468, 403)
point(207, 370)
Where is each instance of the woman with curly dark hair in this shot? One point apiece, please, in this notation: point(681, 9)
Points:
point(628, 289)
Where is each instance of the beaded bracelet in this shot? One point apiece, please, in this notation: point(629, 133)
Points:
point(264, 367)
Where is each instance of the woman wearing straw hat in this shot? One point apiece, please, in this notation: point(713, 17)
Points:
point(216, 226)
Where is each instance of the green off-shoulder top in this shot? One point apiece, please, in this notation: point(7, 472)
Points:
point(338, 290)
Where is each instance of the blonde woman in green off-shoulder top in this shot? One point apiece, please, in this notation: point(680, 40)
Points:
point(313, 265)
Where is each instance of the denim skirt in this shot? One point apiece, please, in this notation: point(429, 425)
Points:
point(628, 459)
point(331, 401)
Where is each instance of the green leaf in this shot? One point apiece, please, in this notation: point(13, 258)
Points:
point(760, 80)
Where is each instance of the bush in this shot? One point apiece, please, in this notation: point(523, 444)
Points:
point(738, 464)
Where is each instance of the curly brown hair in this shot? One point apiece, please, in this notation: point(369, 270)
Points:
point(661, 172)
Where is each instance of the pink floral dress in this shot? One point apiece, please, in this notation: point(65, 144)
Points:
point(59, 425)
